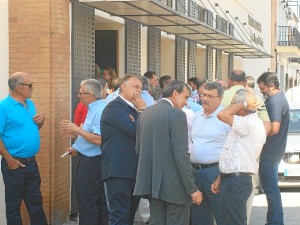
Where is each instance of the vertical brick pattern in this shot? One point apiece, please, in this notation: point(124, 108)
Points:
point(39, 44)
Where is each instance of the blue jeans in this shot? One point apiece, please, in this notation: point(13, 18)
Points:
point(235, 192)
point(23, 184)
point(268, 172)
point(209, 209)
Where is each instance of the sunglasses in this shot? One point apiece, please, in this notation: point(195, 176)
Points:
point(29, 85)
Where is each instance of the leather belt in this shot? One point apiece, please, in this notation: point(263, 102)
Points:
point(203, 166)
point(25, 160)
point(227, 175)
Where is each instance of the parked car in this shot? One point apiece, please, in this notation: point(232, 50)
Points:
point(289, 167)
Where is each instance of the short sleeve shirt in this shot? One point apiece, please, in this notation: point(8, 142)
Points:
point(279, 111)
point(18, 131)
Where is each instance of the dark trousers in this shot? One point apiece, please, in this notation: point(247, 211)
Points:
point(209, 208)
point(23, 184)
point(165, 213)
point(90, 191)
point(122, 203)
point(234, 194)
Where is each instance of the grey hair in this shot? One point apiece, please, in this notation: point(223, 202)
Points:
point(93, 86)
point(212, 85)
point(14, 81)
point(241, 95)
point(174, 85)
point(145, 83)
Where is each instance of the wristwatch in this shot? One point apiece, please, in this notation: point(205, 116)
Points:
point(245, 104)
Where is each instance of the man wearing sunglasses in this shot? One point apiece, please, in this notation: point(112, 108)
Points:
point(19, 143)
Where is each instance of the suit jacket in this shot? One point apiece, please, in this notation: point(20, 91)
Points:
point(164, 168)
point(118, 134)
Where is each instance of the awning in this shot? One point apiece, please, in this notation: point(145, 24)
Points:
point(157, 14)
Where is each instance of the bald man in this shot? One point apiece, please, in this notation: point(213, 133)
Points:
point(19, 143)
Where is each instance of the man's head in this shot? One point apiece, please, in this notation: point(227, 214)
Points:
point(193, 82)
point(200, 86)
point(145, 83)
point(236, 77)
point(164, 80)
point(20, 85)
point(211, 96)
point(177, 92)
point(152, 78)
point(130, 87)
point(241, 96)
point(250, 83)
point(223, 83)
point(268, 84)
point(90, 91)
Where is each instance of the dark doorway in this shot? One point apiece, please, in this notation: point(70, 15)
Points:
point(106, 48)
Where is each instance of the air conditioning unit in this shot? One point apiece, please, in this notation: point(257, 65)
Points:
point(289, 13)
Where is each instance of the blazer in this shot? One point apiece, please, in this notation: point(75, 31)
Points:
point(164, 168)
point(118, 133)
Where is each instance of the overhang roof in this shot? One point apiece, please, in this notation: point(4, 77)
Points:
point(157, 14)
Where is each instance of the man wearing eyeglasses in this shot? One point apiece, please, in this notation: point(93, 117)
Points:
point(92, 205)
point(19, 143)
point(208, 135)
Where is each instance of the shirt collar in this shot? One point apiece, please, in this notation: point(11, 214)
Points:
point(128, 102)
point(214, 113)
point(169, 101)
point(14, 101)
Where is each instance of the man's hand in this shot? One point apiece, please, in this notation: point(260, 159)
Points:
point(252, 103)
point(69, 129)
point(215, 186)
point(197, 197)
point(138, 102)
point(14, 164)
point(39, 118)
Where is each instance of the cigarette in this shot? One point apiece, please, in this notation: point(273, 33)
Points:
point(66, 153)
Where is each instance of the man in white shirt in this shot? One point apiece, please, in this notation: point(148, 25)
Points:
point(208, 135)
point(238, 159)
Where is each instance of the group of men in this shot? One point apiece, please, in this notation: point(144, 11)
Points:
point(129, 151)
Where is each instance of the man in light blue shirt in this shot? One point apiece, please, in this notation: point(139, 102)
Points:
point(208, 135)
point(88, 179)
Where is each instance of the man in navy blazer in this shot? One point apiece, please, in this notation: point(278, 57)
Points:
point(119, 160)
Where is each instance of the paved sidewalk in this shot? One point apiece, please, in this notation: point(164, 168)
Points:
point(291, 209)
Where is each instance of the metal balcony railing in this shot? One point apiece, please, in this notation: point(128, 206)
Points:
point(288, 36)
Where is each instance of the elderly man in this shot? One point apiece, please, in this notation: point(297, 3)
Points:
point(238, 158)
point(19, 143)
point(119, 159)
point(164, 171)
point(92, 205)
point(273, 151)
point(208, 136)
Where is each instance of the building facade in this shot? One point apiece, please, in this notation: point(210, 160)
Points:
point(59, 41)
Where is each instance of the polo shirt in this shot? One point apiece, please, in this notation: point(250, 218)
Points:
point(91, 125)
point(18, 131)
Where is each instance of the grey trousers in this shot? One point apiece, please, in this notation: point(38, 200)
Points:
point(165, 213)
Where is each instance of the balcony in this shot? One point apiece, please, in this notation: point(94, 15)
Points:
point(288, 41)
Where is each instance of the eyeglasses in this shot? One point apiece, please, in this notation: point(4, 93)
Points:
point(29, 85)
point(84, 93)
point(208, 96)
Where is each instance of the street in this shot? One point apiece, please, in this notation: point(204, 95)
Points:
point(291, 207)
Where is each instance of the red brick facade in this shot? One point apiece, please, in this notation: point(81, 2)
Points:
point(39, 44)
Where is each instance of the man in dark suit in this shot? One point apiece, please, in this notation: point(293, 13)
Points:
point(164, 172)
point(119, 159)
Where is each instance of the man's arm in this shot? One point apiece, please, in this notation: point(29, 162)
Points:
point(12, 163)
point(275, 126)
point(66, 125)
point(226, 115)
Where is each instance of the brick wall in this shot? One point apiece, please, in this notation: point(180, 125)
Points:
point(39, 43)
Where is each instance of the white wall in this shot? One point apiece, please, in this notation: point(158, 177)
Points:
point(3, 82)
